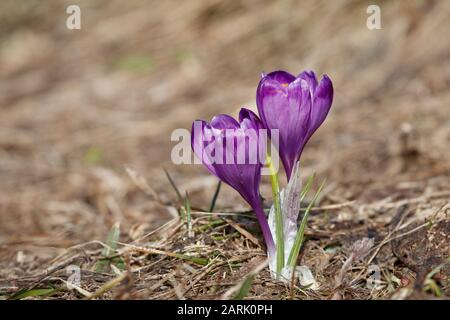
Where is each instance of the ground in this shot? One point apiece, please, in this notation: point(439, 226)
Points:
point(86, 120)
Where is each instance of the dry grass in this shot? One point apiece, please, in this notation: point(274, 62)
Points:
point(80, 107)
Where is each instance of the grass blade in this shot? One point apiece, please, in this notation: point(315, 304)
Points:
point(111, 240)
point(214, 198)
point(33, 293)
point(279, 233)
point(307, 187)
point(110, 250)
point(241, 290)
point(301, 231)
point(197, 260)
point(245, 288)
point(187, 210)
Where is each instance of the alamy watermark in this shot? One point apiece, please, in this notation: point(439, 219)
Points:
point(373, 281)
point(373, 21)
point(226, 147)
point(73, 21)
point(74, 278)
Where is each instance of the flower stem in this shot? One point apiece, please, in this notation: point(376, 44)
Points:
point(278, 215)
point(261, 216)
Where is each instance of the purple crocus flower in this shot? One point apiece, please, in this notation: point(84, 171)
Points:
point(232, 151)
point(296, 106)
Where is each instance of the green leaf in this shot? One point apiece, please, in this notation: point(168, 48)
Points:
point(111, 240)
point(307, 187)
point(110, 250)
point(301, 231)
point(210, 225)
point(430, 284)
point(33, 293)
point(245, 288)
point(196, 260)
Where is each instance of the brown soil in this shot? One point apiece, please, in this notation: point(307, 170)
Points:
point(80, 106)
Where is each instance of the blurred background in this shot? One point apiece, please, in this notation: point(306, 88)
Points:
point(79, 106)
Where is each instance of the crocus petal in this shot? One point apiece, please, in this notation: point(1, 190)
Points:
point(249, 119)
point(323, 98)
point(297, 123)
point(223, 122)
point(247, 173)
point(286, 109)
point(198, 143)
point(281, 76)
point(309, 76)
point(220, 124)
point(294, 106)
point(241, 178)
point(229, 138)
point(311, 79)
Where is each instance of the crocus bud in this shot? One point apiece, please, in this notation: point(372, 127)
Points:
point(235, 152)
point(296, 106)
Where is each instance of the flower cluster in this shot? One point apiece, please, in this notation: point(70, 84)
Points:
point(294, 107)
